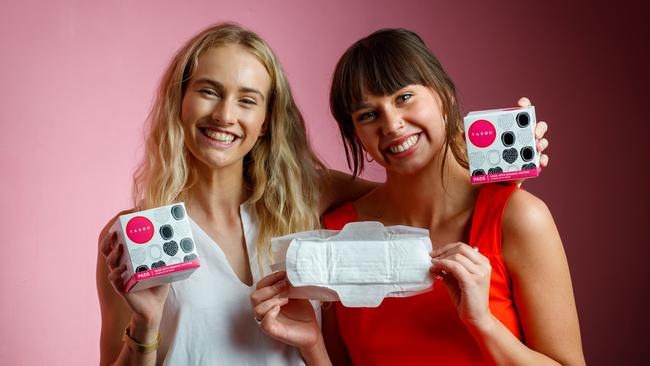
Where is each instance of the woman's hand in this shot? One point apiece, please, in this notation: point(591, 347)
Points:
point(146, 305)
point(540, 142)
point(291, 321)
point(540, 130)
point(466, 273)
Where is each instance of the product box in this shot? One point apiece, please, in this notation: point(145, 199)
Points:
point(158, 246)
point(501, 144)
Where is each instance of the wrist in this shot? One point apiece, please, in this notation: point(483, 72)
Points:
point(144, 330)
point(482, 327)
point(137, 347)
point(315, 354)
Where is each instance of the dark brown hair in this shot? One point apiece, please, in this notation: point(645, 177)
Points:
point(381, 64)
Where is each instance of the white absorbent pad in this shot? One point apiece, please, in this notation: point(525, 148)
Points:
point(359, 266)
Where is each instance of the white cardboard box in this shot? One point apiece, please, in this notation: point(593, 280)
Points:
point(159, 246)
point(501, 144)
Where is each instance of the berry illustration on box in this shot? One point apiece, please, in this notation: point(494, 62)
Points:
point(501, 144)
point(159, 246)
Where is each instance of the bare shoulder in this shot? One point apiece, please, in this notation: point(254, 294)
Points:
point(529, 231)
point(525, 211)
point(525, 214)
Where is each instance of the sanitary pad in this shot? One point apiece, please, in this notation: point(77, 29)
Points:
point(360, 265)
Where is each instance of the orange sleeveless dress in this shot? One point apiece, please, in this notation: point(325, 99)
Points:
point(425, 329)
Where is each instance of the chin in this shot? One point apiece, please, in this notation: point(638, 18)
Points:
point(412, 167)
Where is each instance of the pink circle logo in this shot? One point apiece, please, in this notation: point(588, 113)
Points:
point(482, 133)
point(139, 229)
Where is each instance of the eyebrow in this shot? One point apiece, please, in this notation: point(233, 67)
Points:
point(358, 106)
point(363, 105)
point(220, 87)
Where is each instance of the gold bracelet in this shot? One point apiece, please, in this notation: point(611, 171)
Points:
point(139, 347)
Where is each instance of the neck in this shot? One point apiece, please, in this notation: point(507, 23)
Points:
point(426, 198)
point(217, 193)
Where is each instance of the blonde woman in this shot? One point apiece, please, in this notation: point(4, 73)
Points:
point(225, 137)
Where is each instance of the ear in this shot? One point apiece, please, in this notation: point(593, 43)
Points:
point(263, 130)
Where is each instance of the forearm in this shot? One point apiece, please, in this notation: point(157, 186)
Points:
point(316, 355)
point(501, 347)
point(339, 188)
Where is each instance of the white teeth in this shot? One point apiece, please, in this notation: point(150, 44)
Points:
point(396, 149)
point(220, 136)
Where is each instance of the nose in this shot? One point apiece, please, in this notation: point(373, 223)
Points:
point(392, 122)
point(224, 112)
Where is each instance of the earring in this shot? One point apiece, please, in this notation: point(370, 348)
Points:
point(365, 154)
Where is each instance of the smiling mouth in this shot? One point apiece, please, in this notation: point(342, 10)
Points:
point(404, 146)
point(218, 136)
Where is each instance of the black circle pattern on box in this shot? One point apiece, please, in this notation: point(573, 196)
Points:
point(157, 264)
point(187, 245)
point(166, 232)
point(478, 172)
point(170, 248)
point(527, 153)
point(523, 119)
point(495, 170)
point(190, 257)
point(510, 155)
point(508, 138)
point(142, 268)
point(178, 212)
point(529, 166)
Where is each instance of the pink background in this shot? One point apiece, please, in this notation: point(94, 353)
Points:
point(78, 77)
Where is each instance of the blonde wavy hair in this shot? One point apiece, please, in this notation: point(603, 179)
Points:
point(281, 172)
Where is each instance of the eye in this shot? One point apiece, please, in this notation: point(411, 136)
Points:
point(208, 92)
point(404, 97)
point(250, 101)
point(366, 116)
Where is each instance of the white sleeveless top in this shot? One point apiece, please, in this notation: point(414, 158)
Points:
point(208, 318)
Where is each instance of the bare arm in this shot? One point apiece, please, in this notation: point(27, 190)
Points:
point(534, 256)
point(116, 313)
point(337, 188)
